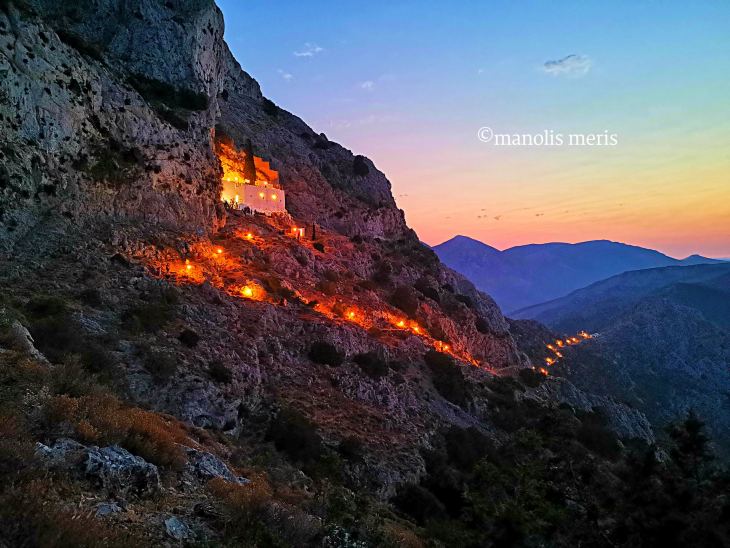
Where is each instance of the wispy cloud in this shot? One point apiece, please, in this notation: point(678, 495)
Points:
point(572, 65)
point(309, 50)
point(288, 76)
point(369, 120)
point(367, 85)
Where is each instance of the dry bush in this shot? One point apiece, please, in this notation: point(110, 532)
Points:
point(103, 419)
point(33, 514)
point(241, 502)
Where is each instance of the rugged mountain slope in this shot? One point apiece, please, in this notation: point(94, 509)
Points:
point(594, 307)
point(526, 275)
point(663, 343)
point(155, 348)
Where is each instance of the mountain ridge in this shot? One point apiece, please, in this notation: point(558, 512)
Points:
point(529, 274)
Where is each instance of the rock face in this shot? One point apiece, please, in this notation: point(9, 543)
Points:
point(116, 469)
point(115, 107)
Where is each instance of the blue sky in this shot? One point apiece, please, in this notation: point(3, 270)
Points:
point(409, 83)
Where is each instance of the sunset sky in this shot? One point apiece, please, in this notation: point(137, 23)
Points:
point(409, 84)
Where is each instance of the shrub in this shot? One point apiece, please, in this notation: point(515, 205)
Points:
point(360, 167)
point(405, 299)
point(43, 306)
point(294, 435)
point(189, 338)
point(426, 288)
point(418, 503)
point(594, 435)
point(530, 377)
point(324, 353)
point(447, 377)
point(161, 365)
point(465, 446)
point(152, 315)
point(219, 372)
point(103, 419)
point(383, 272)
point(57, 336)
point(371, 364)
point(91, 297)
point(351, 448)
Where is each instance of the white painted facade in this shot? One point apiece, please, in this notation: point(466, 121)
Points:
point(259, 197)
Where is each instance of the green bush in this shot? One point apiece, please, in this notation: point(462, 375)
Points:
point(351, 448)
point(161, 365)
point(427, 289)
point(219, 372)
point(405, 299)
point(153, 315)
point(595, 435)
point(447, 377)
point(419, 503)
point(325, 353)
point(294, 435)
point(189, 338)
point(466, 446)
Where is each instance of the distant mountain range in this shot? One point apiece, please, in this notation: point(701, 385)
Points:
point(527, 275)
point(663, 343)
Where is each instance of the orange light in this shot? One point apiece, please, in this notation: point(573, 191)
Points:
point(401, 323)
point(543, 371)
point(188, 266)
point(261, 195)
point(247, 292)
point(416, 329)
point(549, 361)
point(351, 315)
point(249, 236)
point(219, 251)
point(273, 196)
point(559, 342)
point(235, 198)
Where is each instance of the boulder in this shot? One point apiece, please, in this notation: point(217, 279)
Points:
point(206, 466)
point(177, 529)
point(118, 470)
